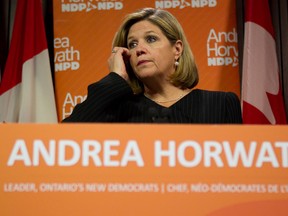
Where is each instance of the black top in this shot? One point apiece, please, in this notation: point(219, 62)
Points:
point(111, 100)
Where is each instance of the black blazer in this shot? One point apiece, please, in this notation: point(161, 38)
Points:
point(111, 100)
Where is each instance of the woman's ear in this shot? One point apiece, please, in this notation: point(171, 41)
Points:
point(178, 49)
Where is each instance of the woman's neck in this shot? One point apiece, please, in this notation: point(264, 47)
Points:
point(166, 96)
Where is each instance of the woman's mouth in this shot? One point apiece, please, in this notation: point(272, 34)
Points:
point(142, 62)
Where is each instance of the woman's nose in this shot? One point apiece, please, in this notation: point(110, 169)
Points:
point(140, 50)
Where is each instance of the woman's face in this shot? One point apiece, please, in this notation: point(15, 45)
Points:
point(151, 52)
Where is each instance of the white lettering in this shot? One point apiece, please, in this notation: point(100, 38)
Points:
point(170, 153)
point(69, 100)
point(203, 3)
point(62, 152)
point(132, 153)
point(19, 153)
point(196, 150)
point(91, 149)
point(188, 153)
point(63, 42)
point(48, 155)
point(212, 150)
point(239, 153)
point(267, 154)
point(284, 151)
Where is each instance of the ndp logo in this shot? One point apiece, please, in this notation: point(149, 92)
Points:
point(87, 6)
point(66, 56)
point(166, 4)
point(222, 48)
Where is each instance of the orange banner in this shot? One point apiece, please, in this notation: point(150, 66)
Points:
point(84, 30)
point(125, 169)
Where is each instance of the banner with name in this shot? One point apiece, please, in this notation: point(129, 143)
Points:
point(124, 169)
point(84, 31)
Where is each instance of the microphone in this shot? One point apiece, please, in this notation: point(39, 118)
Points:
point(159, 116)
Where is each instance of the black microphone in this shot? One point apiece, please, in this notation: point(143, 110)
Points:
point(159, 116)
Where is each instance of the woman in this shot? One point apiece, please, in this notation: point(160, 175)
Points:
point(152, 79)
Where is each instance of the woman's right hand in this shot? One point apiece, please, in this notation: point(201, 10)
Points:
point(116, 61)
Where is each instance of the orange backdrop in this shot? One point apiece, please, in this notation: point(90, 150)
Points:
point(44, 170)
point(84, 30)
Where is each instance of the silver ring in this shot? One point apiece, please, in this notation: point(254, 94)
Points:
point(113, 51)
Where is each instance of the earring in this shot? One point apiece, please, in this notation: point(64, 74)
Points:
point(176, 63)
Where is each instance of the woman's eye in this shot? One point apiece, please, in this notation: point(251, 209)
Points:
point(132, 44)
point(151, 39)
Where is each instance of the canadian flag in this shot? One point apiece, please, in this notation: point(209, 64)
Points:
point(26, 89)
point(262, 100)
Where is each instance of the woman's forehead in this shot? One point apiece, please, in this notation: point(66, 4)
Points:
point(143, 27)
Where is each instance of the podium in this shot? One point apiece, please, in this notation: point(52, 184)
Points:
point(143, 169)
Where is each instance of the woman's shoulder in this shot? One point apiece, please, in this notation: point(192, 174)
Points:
point(210, 94)
point(204, 92)
point(216, 106)
point(213, 98)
